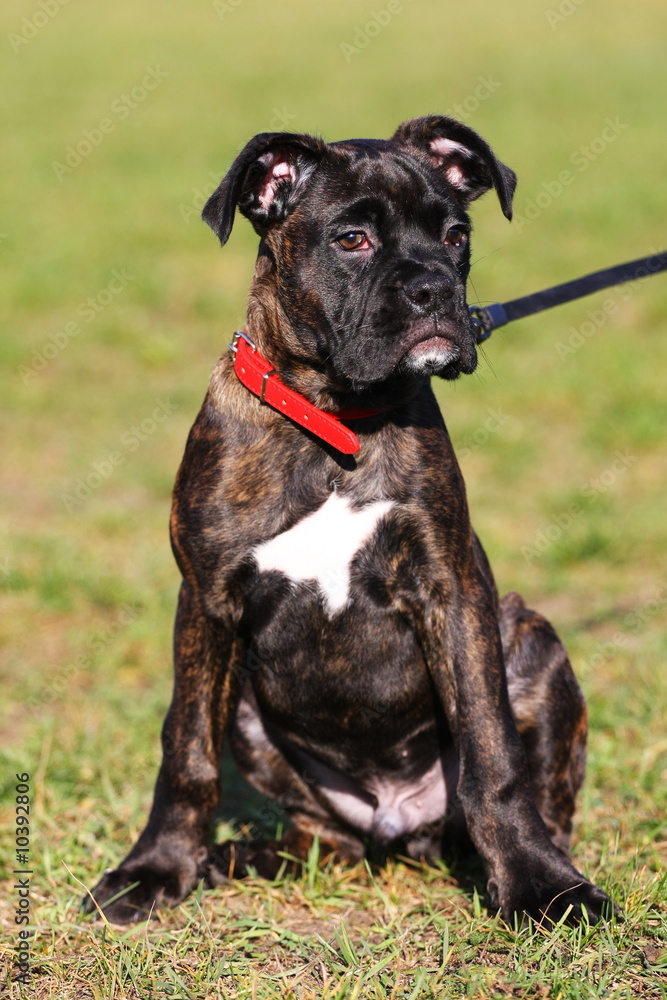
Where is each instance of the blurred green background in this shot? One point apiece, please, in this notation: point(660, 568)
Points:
point(117, 121)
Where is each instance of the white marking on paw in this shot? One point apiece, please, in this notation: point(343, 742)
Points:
point(322, 546)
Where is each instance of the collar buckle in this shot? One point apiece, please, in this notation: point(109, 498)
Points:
point(238, 334)
point(262, 380)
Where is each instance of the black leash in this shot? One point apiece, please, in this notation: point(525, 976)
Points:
point(489, 318)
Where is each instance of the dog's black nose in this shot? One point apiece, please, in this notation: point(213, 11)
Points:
point(428, 291)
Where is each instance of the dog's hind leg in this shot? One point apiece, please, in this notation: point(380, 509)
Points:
point(550, 713)
point(267, 768)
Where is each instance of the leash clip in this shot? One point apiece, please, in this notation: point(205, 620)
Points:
point(486, 319)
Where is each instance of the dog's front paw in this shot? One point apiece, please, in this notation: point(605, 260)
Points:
point(134, 891)
point(549, 896)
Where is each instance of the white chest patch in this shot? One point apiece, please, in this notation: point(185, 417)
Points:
point(322, 546)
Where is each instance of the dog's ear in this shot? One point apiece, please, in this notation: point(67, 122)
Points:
point(465, 160)
point(265, 181)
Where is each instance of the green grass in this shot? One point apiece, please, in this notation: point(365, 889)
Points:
point(89, 588)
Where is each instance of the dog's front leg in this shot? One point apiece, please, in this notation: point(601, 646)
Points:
point(460, 638)
point(164, 861)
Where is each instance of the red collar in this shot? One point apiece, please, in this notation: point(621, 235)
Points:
point(258, 375)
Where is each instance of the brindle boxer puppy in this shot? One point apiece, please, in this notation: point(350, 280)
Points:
point(338, 619)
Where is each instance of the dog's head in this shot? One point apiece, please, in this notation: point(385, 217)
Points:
point(368, 244)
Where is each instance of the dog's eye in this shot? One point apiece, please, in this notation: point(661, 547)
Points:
point(354, 240)
point(455, 236)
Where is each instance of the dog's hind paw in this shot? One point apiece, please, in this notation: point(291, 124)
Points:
point(239, 859)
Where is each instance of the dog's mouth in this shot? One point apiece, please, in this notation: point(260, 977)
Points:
point(435, 348)
point(426, 347)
